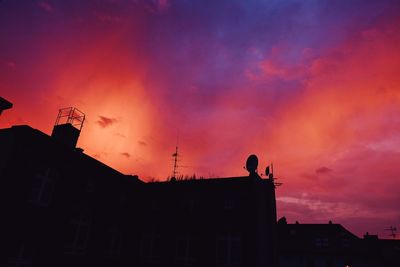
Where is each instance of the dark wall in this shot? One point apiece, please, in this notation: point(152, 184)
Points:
point(61, 207)
point(212, 222)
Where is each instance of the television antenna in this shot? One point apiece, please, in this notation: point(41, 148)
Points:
point(393, 231)
point(269, 172)
point(175, 156)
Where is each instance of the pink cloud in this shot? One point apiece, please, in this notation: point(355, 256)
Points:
point(46, 6)
point(11, 64)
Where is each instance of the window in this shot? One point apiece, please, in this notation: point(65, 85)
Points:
point(80, 234)
point(229, 204)
point(148, 247)
point(43, 187)
point(23, 258)
point(229, 250)
point(114, 242)
point(321, 242)
point(184, 250)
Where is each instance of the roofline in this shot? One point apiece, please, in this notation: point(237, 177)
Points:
point(208, 179)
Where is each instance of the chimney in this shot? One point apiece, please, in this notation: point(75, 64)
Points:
point(4, 104)
point(68, 126)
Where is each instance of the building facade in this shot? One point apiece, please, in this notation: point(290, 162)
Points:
point(61, 207)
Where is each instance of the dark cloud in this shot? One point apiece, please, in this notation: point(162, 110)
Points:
point(126, 154)
point(142, 143)
point(323, 170)
point(105, 121)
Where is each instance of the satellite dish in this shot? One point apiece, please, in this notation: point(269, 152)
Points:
point(251, 164)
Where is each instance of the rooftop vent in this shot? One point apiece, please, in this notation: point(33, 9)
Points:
point(68, 126)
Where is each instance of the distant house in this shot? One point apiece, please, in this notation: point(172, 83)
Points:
point(61, 207)
point(331, 245)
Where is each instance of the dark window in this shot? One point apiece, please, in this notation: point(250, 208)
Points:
point(23, 257)
point(184, 249)
point(318, 242)
point(81, 227)
point(321, 242)
point(114, 243)
point(149, 246)
point(229, 250)
point(229, 204)
point(43, 187)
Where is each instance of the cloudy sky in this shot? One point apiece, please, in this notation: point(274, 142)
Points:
point(312, 86)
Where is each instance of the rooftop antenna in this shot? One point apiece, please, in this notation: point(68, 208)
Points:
point(175, 156)
point(392, 231)
point(270, 174)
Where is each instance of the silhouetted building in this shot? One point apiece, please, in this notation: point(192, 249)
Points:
point(379, 252)
point(331, 245)
point(209, 222)
point(61, 207)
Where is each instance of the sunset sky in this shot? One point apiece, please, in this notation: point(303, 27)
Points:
point(312, 86)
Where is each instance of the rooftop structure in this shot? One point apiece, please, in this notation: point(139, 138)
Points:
point(4, 104)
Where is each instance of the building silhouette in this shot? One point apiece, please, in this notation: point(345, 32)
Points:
point(209, 222)
point(61, 207)
point(331, 245)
